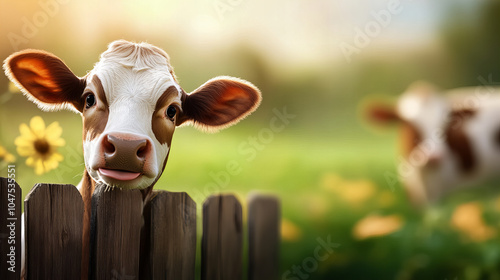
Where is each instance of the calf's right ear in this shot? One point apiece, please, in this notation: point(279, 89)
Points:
point(219, 103)
point(45, 80)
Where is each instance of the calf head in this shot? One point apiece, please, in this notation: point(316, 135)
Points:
point(422, 114)
point(434, 148)
point(130, 104)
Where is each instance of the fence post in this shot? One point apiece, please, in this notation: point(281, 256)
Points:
point(263, 237)
point(222, 241)
point(115, 230)
point(53, 230)
point(173, 236)
point(10, 229)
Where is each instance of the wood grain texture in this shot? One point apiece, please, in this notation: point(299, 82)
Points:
point(263, 237)
point(53, 228)
point(115, 232)
point(10, 229)
point(222, 241)
point(173, 236)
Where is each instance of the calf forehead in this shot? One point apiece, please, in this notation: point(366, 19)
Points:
point(140, 72)
point(144, 87)
point(423, 111)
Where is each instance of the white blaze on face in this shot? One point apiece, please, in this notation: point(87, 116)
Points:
point(132, 89)
point(429, 163)
point(428, 113)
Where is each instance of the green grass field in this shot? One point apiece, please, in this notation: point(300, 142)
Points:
point(327, 183)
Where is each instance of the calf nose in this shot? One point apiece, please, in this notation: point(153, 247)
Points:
point(125, 153)
point(434, 160)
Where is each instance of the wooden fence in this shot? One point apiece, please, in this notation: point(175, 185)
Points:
point(129, 240)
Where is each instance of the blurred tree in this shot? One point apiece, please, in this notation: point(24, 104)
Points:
point(473, 42)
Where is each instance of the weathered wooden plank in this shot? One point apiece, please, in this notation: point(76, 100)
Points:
point(263, 237)
point(222, 240)
point(10, 229)
point(53, 229)
point(173, 236)
point(115, 232)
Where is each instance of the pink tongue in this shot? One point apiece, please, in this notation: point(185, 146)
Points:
point(119, 175)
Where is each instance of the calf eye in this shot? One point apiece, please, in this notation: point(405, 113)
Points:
point(90, 100)
point(171, 111)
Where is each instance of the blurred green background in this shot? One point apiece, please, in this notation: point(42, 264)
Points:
point(318, 61)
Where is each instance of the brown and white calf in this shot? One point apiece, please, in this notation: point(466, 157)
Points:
point(449, 140)
point(130, 104)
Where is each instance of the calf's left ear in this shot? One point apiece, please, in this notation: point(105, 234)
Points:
point(219, 103)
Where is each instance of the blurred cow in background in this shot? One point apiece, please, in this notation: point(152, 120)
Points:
point(449, 140)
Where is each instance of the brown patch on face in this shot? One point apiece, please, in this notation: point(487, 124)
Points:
point(100, 90)
point(95, 118)
point(163, 127)
point(410, 138)
point(457, 139)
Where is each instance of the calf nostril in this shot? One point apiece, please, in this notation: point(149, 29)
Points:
point(142, 150)
point(109, 147)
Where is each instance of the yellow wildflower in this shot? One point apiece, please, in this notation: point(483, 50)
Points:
point(39, 144)
point(354, 192)
point(357, 192)
point(289, 231)
point(375, 225)
point(467, 218)
point(6, 156)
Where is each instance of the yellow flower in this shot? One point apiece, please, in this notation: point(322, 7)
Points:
point(467, 218)
point(357, 192)
point(289, 231)
point(6, 156)
point(39, 144)
point(375, 225)
point(354, 192)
